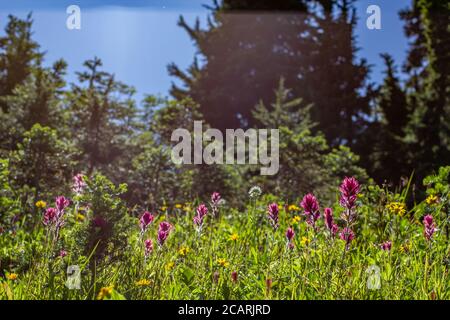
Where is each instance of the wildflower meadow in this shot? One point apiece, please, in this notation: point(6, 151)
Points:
point(368, 244)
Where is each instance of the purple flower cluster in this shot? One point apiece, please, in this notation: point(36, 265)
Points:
point(430, 227)
point(163, 232)
point(200, 215)
point(273, 212)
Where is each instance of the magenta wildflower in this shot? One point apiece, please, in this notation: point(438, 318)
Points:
point(54, 217)
point(61, 204)
point(272, 210)
point(334, 229)
point(328, 217)
point(145, 220)
point(347, 235)
point(329, 221)
point(163, 232)
point(310, 206)
point(290, 233)
point(215, 198)
point(349, 192)
point(201, 213)
point(78, 184)
point(430, 227)
point(386, 246)
point(62, 253)
point(148, 247)
point(234, 276)
point(50, 217)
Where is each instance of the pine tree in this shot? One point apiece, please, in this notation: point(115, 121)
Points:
point(389, 155)
point(429, 63)
point(338, 77)
point(102, 116)
point(245, 51)
point(18, 55)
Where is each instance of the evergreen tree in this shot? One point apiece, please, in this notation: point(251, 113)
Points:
point(306, 162)
point(18, 55)
point(102, 117)
point(389, 155)
point(245, 50)
point(337, 77)
point(428, 64)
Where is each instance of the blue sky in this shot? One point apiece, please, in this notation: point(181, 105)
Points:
point(137, 39)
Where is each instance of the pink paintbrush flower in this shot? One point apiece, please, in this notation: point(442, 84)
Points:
point(430, 227)
point(215, 198)
point(234, 276)
point(78, 184)
point(201, 213)
point(163, 232)
point(145, 220)
point(349, 192)
point(329, 221)
point(347, 235)
point(50, 217)
point(386, 246)
point(148, 244)
point(328, 218)
point(290, 233)
point(310, 206)
point(61, 204)
point(272, 211)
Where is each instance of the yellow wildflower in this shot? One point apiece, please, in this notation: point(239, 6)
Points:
point(12, 276)
point(431, 199)
point(105, 292)
point(143, 283)
point(398, 208)
point(170, 265)
point(163, 208)
point(80, 217)
point(222, 262)
point(295, 220)
point(178, 206)
point(234, 237)
point(293, 207)
point(183, 251)
point(305, 241)
point(404, 248)
point(41, 204)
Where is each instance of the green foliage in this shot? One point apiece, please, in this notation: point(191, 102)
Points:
point(18, 55)
point(41, 161)
point(102, 116)
point(244, 54)
point(302, 153)
point(103, 231)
